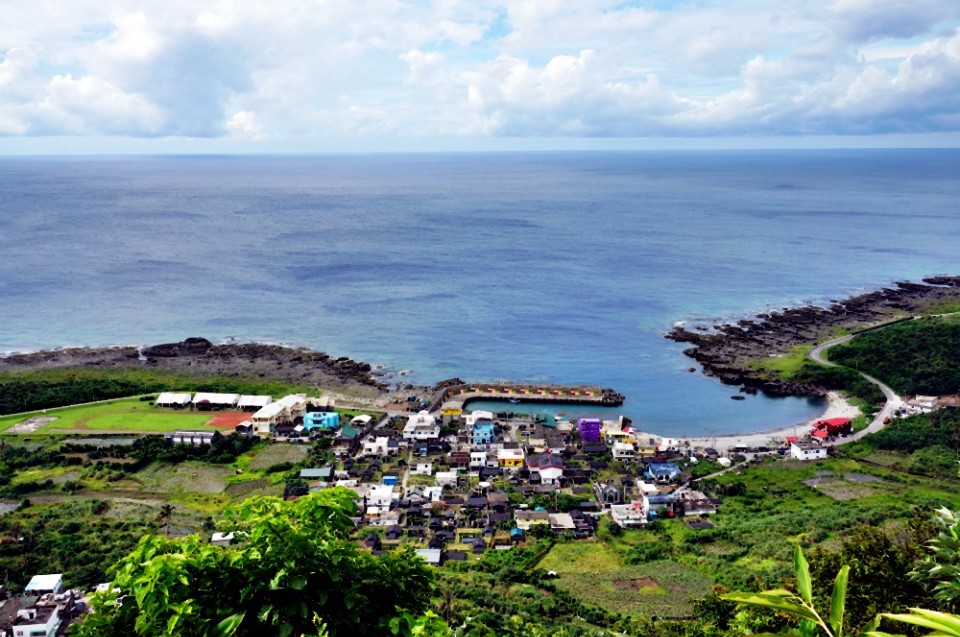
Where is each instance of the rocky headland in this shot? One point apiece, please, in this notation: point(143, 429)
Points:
point(731, 352)
point(201, 357)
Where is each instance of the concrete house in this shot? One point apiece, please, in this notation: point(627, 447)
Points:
point(511, 459)
point(624, 451)
point(323, 420)
point(807, 451)
point(422, 426)
point(482, 432)
point(548, 465)
point(589, 429)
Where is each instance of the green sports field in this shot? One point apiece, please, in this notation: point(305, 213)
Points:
point(123, 415)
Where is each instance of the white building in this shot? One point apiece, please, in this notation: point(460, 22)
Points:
point(267, 417)
point(40, 584)
point(249, 401)
point(630, 516)
point(36, 621)
point(423, 469)
point(423, 426)
point(378, 446)
point(214, 400)
point(478, 459)
point(474, 416)
point(172, 399)
point(624, 451)
point(807, 451)
point(296, 405)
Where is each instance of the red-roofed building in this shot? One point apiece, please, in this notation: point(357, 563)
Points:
point(834, 426)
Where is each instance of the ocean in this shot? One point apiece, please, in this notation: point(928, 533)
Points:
point(560, 267)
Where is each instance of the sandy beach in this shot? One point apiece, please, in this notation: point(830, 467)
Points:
point(837, 407)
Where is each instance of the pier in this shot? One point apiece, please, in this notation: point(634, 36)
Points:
point(457, 396)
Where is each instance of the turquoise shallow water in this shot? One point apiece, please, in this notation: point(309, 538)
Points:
point(540, 267)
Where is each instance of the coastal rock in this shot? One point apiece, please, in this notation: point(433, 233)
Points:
point(729, 351)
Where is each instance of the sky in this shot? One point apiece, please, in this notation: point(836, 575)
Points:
point(398, 75)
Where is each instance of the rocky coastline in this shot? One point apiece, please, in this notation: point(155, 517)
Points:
point(730, 352)
point(201, 357)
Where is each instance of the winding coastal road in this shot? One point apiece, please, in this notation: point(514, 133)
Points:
point(890, 407)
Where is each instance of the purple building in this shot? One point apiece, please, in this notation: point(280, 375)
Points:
point(589, 429)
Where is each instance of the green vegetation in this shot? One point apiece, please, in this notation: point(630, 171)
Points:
point(36, 390)
point(295, 572)
point(913, 357)
point(786, 365)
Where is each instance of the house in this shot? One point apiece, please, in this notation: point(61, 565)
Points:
point(192, 438)
point(253, 403)
point(548, 465)
point(446, 478)
point(423, 469)
point(560, 522)
point(205, 401)
point(526, 519)
point(321, 473)
point(245, 429)
point(173, 400)
point(662, 472)
point(36, 621)
point(221, 539)
point(458, 459)
point(624, 451)
point(376, 446)
point(361, 421)
point(807, 451)
point(478, 459)
point(632, 515)
point(473, 417)
point(589, 429)
point(431, 556)
point(325, 420)
point(510, 458)
point(422, 426)
point(42, 584)
point(482, 432)
point(833, 426)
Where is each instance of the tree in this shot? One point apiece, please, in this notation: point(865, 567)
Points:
point(877, 566)
point(940, 568)
point(295, 562)
point(801, 606)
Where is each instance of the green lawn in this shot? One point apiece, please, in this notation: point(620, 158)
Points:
point(658, 589)
point(125, 414)
point(580, 557)
point(785, 365)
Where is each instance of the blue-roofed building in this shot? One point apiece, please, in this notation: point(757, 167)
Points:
point(326, 420)
point(483, 432)
point(662, 471)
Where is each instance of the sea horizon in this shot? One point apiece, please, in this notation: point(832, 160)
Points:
point(542, 267)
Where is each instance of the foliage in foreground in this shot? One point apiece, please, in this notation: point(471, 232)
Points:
point(294, 565)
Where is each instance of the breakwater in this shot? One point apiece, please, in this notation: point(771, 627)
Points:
point(458, 395)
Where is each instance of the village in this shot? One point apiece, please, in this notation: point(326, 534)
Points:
point(455, 482)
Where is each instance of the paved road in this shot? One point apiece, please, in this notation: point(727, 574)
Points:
point(890, 407)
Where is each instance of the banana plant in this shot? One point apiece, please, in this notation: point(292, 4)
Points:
point(941, 624)
point(800, 604)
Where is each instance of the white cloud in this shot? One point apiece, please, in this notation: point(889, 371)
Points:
point(309, 69)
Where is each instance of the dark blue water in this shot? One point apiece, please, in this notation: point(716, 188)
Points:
point(552, 267)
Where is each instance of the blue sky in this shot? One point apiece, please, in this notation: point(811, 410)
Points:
point(367, 75)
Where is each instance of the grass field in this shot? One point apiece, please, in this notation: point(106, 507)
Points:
point(657, 589)
point(125, 414)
